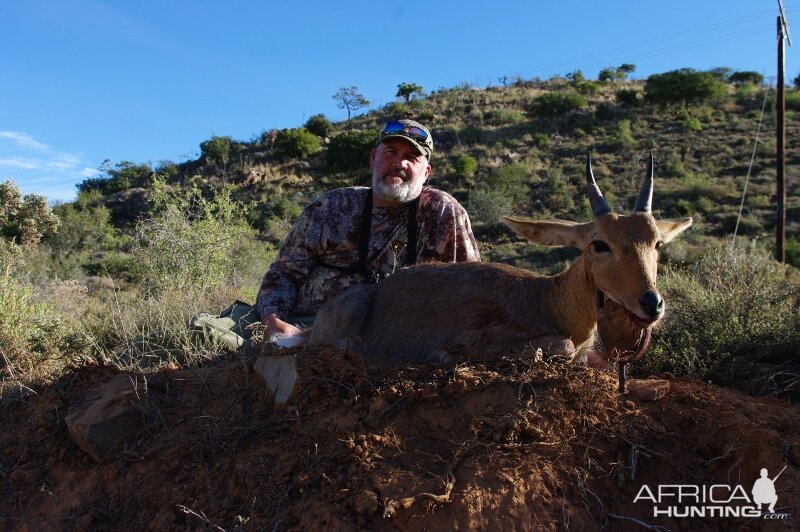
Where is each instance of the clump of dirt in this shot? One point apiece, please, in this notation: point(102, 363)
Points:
point(511, 443)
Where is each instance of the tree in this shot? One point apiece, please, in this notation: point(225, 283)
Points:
point(350, 99)
point(407, 90)
point(607, 74)
point(320, 126)
point(217, 149)
point(298, 142)
point(746, 77)
point(625, 69)
point(576, 76)
point(23, 221)
point(797, 82)
point(683, 86)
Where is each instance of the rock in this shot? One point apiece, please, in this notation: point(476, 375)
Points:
point(365, 502)
point(106, 418)
point(280, 374)
point(647, 389)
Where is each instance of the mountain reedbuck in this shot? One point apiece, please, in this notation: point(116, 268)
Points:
point(428, 311)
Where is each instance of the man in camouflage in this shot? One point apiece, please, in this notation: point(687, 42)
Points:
point(359, 235)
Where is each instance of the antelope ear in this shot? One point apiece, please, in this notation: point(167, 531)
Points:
point(669, 230)
point(553, 232)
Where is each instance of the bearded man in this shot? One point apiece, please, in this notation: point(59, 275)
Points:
point(359, 235)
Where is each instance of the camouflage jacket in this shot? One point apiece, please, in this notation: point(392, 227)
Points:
point(327, 234)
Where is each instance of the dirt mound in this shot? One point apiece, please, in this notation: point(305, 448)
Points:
point(503, 444)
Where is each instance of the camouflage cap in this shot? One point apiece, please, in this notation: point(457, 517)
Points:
point(409, 130)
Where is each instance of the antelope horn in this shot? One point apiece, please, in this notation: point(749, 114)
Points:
point(644, 202)
point(596, 199)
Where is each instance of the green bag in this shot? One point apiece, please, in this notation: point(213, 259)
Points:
point(231, 327)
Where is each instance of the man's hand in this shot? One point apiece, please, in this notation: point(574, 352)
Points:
point(275, 325)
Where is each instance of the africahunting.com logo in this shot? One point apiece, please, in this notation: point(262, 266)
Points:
point(716, 500)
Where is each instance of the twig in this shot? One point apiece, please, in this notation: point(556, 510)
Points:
point(201, 516)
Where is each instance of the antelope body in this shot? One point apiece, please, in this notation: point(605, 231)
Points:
point(430, 311)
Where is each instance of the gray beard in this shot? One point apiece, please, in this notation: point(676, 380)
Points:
point(403, 193)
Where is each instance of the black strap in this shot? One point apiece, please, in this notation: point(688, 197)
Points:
point(411, 248)
point(366, 229)
point(362, 266)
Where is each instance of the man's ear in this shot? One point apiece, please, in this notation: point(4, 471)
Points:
point(669, 230)
point(553, 232)
point(372, 155)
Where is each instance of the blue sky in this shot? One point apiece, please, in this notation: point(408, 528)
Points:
point(86, 80)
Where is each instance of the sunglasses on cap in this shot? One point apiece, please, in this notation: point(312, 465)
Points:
point(398, 128)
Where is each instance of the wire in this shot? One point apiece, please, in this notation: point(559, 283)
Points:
point(749, 169)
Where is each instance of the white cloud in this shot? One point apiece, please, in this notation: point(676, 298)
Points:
point(23, 140)
point(25, 164)
point(39, 168)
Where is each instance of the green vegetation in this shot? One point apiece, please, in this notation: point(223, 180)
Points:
point(408, 90)
point(320, 126)
point(349, 98)
point(146, 246)
point(728, 313)
point(683, 86)
point(296, 143)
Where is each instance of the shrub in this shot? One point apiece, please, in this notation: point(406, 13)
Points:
point(587, 87)
point(35, 341)
point(556, 104)
point(349, 151)
point(746, 78)
point(693, 124)
point(320, 126)
point(500, 117)
point(296, 143)
point(466, 166)
point(792, 99)
point(725, 314)
point(188, 241)
point(397, 110)
point(487, 205)
point(683, 86)
point(623, 138)
point(629, 97)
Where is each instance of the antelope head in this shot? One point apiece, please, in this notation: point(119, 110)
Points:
point(620, 252)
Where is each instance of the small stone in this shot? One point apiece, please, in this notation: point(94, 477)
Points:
point(280, 374)
point(647, 389)
point(365, 502)
point(107, 416)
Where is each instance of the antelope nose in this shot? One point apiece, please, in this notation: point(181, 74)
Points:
point(652, 304)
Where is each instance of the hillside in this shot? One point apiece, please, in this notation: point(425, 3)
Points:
point(118, 416)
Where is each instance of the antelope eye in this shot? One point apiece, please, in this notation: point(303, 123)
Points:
point(600, 246)
point(659, 244)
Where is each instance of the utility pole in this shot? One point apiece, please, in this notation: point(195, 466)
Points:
point(780, 145)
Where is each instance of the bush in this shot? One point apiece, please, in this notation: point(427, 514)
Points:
point(188, 241)
point(500, 117)
point(693, 124)
point(349, 151)
point(683, 86)
point(724, 315)
point(587, 87)
point(746, 78)
point(296, 143)
point(320, 126)
point(792, 99)
point(629, 97)
point(556, 104)
point(466, 166)
point(487, 205)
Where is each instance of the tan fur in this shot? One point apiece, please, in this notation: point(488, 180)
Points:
point(432, 310)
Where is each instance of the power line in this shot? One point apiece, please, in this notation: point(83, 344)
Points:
point(580, 60)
